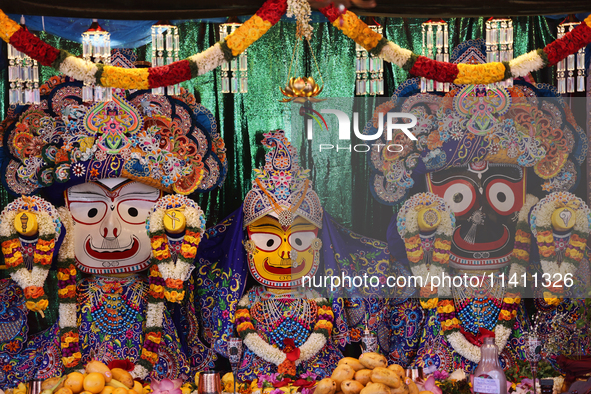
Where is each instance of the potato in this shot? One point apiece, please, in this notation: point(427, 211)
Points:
point(342, 373)
point(326, 386)
point(412, 386)
point(385, 376)
point(353, 362)
point(372, 360)
point(398, 369)
point(375, 388)
point(123, 376)
point(351, 387)
point(363, 376)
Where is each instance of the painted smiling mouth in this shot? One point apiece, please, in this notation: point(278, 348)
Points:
point(284, 271)
point(483, 246)
point(113, 254)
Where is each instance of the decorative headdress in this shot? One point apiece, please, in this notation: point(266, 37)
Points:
point(281, 187)
point(168, 142)
point(526, 125)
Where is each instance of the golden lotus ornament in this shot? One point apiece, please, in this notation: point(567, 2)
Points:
point(301, 90)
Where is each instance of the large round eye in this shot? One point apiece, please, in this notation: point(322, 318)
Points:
point(301, 240)
point(501, 197)
point(460, 196)
point(134, 211)
point(266, 242)
point(88, 212)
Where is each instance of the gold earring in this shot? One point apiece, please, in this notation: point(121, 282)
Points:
point(316, 244)
point(249, 246)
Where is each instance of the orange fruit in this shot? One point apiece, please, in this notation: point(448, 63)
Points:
point(131, 391)
point(94, 382)
point(63, 390)
point(108, 390)
point(74, 382)
point(120, 390)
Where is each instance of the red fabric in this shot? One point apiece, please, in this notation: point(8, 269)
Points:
point(570, 43)
point(477, 339)
point(123, 364)
point(171, 74)
point(272, 10)
point(283, 383)
point(292, 353)
point(331, 12)
point(575, 368)
point(304, 383)
point(26, 42)
point(432, 69)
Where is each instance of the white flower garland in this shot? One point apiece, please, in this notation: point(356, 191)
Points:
point(472, 352)
point(79, 69)
point(209, 59)
point(301, 10)
point(67, 315)
point(67, 249)
point(522, 65)
point(155, 314)
point(139, 372)
point(393, 53)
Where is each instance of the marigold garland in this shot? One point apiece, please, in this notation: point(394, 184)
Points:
point(267, 16)
point(175, 273)
point(49, 228)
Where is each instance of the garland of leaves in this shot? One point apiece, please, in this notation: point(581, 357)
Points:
point(255, 27)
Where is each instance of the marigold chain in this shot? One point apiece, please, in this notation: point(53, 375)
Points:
point(255, 27)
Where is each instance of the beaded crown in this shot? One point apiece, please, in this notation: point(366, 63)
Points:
point(525, 125)
point(281, 183)
point(168, 142)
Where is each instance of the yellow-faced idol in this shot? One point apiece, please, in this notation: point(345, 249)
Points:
point(282, 217)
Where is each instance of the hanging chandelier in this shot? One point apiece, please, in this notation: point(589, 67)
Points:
point(234, 74)
point(435, 46)
point(570, 72)
point(96, 47)
point(23, 77)
point(369, 70)
point(165, 50)
point(499, 43)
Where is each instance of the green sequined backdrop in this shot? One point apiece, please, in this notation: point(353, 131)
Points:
point(341, 181)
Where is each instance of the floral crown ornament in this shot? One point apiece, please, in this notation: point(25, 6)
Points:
point(49, 230)
point(168, 142)
point(168, 213)
point(281, 187)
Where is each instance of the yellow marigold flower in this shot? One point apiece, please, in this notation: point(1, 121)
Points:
point(429, 303)
point(62, 276)
point(445, 309)
point(551, 300)
point(188, 249)
point(7, 27)
point(37, 306)
point(125, 78)
point(474, 74)
point(509, 300)
point(505, 315)
point(246, 34)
